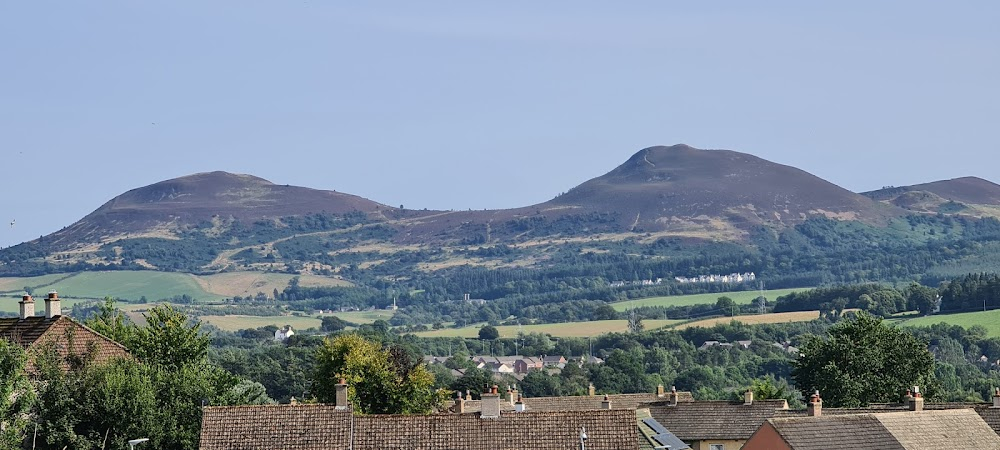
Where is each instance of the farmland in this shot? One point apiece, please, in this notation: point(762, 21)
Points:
point(239, 322)
point(988, 319)
point(133, 285)
point(797, 316)
point(740, 297)
point(568, 329)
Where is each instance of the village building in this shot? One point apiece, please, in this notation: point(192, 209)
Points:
point(66, 336)
point(282, 334)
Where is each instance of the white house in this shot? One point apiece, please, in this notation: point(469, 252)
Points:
point(283, 333)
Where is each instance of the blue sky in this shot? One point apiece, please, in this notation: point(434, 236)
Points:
point(455, 105)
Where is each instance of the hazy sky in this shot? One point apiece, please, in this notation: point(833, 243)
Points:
point(455, 105)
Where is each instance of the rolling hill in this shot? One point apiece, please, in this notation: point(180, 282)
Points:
point(214, 222)
point(968, 195)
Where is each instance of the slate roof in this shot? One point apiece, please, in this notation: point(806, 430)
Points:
point(719, 420)
point(322, 427)
point(933, 429)
point(68, 336)
point(580, 402)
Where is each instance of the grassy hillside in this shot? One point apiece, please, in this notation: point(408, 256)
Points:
point(133, 285)
point(989, 319)
point(741, 298)
point(568, 329)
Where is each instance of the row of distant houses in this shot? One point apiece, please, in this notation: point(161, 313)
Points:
point(517, 364)
point(731, 278)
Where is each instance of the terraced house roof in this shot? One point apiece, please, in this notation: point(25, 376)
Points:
point(325, 427)
point(66, 335)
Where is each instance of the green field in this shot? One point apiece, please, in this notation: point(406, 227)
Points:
point(568, 329)
point(364, 317)
point(239, 322)
point(133, 285)
point(235, 322)
point(740, 297)
point(989, 319)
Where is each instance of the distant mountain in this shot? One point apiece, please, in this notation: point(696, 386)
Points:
point(222, 221)
point(967, 195)
point(660, 187)
point(206, 197)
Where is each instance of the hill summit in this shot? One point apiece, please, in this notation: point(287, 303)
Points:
point(662, 185)
point(209, 196)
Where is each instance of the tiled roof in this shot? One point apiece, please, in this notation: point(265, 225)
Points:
point(702, 420)
point(929, 429)
point(954, 428)
point(858, 432)
point(580, 402)
point(321, 427)
point(653, 435)
point(268, 427)
point(606, 429)
point(985, 410)
point(68, 336)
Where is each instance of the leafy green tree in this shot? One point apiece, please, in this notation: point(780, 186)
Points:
point(921, 298)
point(333, 323)
point(863, 361)
point(16, 395)
point(380, 380)
point(113, 323)
point(489, 333)
point(726, 306)
point(538, 383)
point(168, 339)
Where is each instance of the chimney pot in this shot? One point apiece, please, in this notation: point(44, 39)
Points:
point(815, 407)
point(673, 396)
point(27, 307)
point(52, 308)
point(459, 403)
point(917, 402)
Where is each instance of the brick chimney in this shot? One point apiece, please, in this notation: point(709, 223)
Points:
point(52, 308)
point(917, 402)
point(459, 403)
point(659, 391)
point(340, 396)
point(673, 396)
point(27, 307)
point(519, 405)
point(815, 406)
point(996, 398)
point(606, 403)
point(512, 395)
point(591, 391)
point(748, 397)
point(491, 404)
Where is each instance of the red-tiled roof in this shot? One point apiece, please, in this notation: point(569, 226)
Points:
point(68, 337)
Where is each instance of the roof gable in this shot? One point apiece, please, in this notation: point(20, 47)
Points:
point(67, 335)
